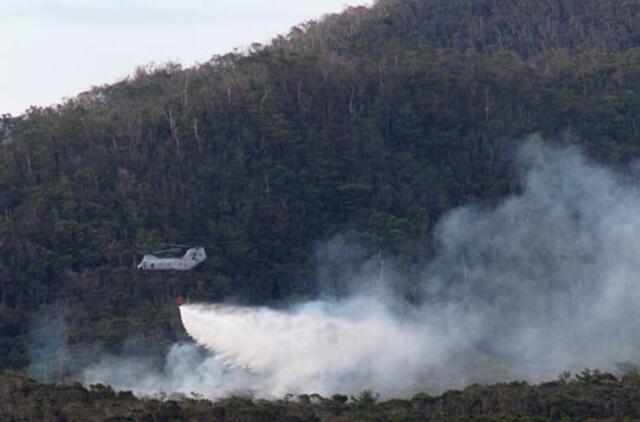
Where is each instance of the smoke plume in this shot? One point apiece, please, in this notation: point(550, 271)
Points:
point(46, 344)
point(544, 281)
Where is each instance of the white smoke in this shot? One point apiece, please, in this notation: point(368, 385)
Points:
point(545, 281)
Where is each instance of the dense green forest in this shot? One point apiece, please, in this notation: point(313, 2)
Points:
point(368, 125)
point(590, 395)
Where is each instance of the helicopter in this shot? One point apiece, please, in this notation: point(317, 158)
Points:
point(192, 257)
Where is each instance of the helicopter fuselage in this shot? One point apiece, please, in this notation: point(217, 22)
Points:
point(191, 258)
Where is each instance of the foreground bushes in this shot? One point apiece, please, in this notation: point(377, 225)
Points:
point(591, 395)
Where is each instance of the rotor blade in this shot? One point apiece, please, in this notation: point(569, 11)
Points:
point(166, 250)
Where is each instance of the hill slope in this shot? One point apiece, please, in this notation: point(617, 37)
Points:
point(369, 125)
point(526, 27)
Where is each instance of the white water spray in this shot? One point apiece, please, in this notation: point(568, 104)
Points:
point(317, 348)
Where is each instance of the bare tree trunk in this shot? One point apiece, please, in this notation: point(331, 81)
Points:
point(197, 135)
point(174, 130)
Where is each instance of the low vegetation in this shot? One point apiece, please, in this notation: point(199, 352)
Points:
point(591, 395)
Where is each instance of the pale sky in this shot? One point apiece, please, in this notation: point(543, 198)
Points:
point(51, 49)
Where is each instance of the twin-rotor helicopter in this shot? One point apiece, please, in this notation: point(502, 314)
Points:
point(192, 257)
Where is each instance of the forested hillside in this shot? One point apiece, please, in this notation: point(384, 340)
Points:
point(525, 27)
point(370, 124)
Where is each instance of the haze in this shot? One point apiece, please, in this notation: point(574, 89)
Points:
point(53, 49)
